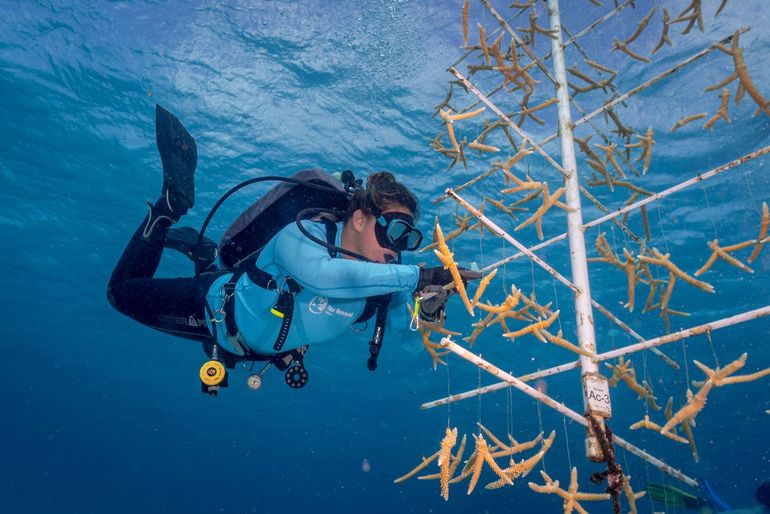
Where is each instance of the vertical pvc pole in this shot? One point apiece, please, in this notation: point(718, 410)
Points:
point(593, 383)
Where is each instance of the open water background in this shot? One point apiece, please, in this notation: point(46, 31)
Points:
point(100, 414)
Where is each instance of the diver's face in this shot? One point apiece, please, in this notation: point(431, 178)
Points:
point(369, 245)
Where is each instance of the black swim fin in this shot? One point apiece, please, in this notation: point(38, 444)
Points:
point(179, 155)
point(185, 240)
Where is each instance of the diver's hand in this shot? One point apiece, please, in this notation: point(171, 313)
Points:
point(438, 276)
point(432, 301)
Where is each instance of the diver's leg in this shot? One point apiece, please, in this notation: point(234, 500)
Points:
point(132, 290)
point(179, 156)
point(141, 257)
point(173, 305)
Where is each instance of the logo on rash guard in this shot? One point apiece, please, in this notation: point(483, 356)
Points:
point(320, 304)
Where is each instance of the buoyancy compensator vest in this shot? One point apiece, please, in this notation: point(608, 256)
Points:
point(304, 194)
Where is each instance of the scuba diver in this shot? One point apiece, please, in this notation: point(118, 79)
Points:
point(288, 283)
point(710, 502)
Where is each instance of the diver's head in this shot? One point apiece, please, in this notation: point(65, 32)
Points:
point(763, 495)
point(380, 220)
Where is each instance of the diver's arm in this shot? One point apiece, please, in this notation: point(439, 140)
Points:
point(311, 266)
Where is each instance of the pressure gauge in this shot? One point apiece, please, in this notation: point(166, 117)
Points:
point(254, 382)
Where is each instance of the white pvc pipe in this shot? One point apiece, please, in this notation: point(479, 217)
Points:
point(644, 345)
point(583, 310)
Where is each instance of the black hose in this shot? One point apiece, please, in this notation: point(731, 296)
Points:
point(312, 211)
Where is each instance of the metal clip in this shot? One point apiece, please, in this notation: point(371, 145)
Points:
point(221, 311)
point(414, 323)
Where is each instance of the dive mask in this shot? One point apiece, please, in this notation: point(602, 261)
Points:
point(396, 231)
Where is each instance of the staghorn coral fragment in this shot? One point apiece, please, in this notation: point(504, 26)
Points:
point(548, 202)
point(721, 84)
point(642, 25)
point(696, 16)
point(509, 210)
point(650, 425)
point(645, 142)
point(686, 428)
point(475, 145)
point(586, 148)
point(721, 6)
point(529, 111)
point(630, 278)
point(622, 130)
point(463, 224)
point(664, 35)
point(600, 67)
point(606, 253)
point(479, 327)
point(621, 369)
point(585, 78)
point(437, 110)
point(432, 348)
point(452, 467)
point(420, 467)
point(559, 340)
point(520, 154)
point(446, 116)
point(538, 325)
point(521, 185)
point(522, 6)
point(740, 68)
point(466, 115)
point(652, 282)
point(444, 458)
point(494, 49)
point(619, 45)
point(687, 119)
point(664, 260)
point(631, 496)
point(482, 286)
point(762, 238)
point(525, 466)
point(695, 404)
point(625, 372)
point(446, 258)
point(609, 156)
point(534, 29)
point(724, 253)
point(721, 376)
point(480, 456)
point(715, 378)
point(483, 41)
point(466, 6)
point(722, 112)
point(571, 496)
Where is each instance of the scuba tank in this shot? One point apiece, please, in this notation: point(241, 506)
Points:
point(245, 238)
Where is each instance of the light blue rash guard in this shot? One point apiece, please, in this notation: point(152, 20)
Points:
point(334, 292)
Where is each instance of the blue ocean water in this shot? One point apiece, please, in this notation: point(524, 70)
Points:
point(101, 414)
